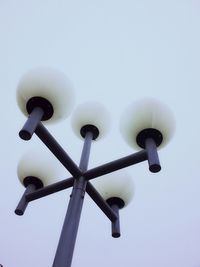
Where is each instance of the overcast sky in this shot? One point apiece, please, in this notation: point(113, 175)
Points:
point(114, 52)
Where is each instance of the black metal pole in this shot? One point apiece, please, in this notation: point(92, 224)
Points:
point(65, 249)
point(21, 207)
point(31, 123)
point(152, 154)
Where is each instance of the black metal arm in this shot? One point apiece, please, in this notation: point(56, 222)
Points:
point(57, 150)
point(50, 189)
point(116, 165)
point(101, 203)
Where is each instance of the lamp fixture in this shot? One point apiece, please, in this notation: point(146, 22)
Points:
point(46, 96)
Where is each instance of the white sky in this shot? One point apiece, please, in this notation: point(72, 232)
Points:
point(114, 52)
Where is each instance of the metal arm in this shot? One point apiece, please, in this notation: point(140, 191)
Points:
point(116, 165)
point(50, 189)
point(101, 203)
point(57, 150)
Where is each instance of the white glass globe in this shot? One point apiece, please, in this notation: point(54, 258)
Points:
point(144, 114)
point(118, 184)
point(91, 113)
point(39, 165)
point(49, 84)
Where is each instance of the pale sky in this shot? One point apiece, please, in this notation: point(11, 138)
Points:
point(114, 52)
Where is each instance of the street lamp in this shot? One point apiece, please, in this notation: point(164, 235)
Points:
point(45, 96)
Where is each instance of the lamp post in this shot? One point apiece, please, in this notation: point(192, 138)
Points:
point(45, 96)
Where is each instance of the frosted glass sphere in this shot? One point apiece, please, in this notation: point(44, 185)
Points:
point(39, 165)
point(91, 113)
point(147, 113)
point(118, 184)
point(50, 85)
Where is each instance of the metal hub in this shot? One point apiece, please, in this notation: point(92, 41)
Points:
point(42, 103)
point(33, 180)
point(116, 201)
point(89, 128)
point(155, 134)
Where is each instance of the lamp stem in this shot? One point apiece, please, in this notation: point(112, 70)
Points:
point(86, 151)
point(65, 249)
point(116, 223)
point(152, 155)
point(31, 123)
point(23, 203)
